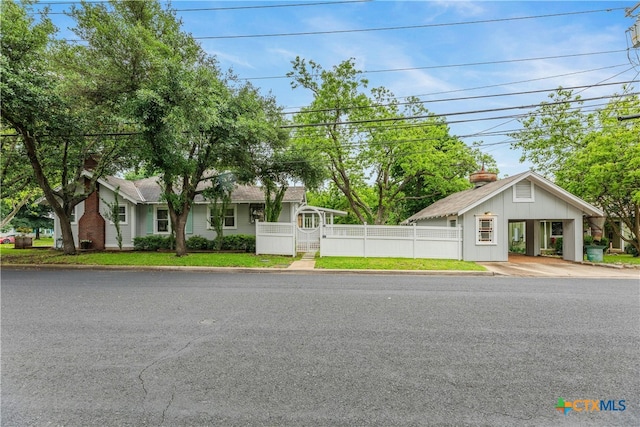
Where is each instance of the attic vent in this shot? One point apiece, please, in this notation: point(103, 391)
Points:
point(523, 191)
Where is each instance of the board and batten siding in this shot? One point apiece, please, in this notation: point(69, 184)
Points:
point(508, 206)
point(524, 202)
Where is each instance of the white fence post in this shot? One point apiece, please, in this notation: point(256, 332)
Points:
point(415, 237)
point(364, 241)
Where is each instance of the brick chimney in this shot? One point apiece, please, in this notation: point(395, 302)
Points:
point(91, 225)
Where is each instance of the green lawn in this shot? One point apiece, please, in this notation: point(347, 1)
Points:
point(349, 263)
point(8, 255)
point(621, 259)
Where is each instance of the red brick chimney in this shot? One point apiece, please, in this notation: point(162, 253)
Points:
point(91, 225)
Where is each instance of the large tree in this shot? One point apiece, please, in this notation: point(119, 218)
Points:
point(56, 130)
point(593, 155)
point(195, 122)
point(373, 138)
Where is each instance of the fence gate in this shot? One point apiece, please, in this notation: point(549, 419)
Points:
point(309, 225)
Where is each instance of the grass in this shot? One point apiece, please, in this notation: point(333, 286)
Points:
point(8, 255)
point(621, 259)
point(352, 263)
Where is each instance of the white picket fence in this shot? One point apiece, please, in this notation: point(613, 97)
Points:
point(362, 241)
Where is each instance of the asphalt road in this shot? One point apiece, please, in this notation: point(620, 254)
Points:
point(116, 348)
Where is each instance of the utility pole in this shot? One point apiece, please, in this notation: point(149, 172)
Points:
point(634, 30)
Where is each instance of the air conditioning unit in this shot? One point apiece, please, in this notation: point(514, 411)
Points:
point(635, 34)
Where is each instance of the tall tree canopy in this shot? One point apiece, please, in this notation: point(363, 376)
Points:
point(195, 123)
point(373, 139)
point(57, 130)
point(593, 155)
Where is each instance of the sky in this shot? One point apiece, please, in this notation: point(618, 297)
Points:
point(496, 55)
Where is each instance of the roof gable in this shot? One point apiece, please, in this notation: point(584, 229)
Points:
point(458, 203)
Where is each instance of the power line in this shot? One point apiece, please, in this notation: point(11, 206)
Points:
point(425, 116)
point(218, 9)
point(405, 27)
point(464, 98)
point(469, 64)
point(507, 83)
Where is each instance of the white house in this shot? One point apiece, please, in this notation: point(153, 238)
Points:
point(486, 211)
point(143, 212)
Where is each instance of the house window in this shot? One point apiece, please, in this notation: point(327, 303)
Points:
point(72, 218)
point(523, 192)
point(229, 218)
point(486, 230)
point(122, 214)
point(162, 220)
point(452, 221)
point(556, 229)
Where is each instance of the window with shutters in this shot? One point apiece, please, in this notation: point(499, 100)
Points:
point(523, 192)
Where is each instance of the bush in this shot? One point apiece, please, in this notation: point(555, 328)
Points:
point(588, 240)
point(198, 243)
point(153, 243)
point(631, 250)
point(558, 245)
point(239, 242)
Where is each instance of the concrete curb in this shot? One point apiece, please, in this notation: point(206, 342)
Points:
point(244, 270)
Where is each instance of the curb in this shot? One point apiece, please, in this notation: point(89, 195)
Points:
point(244, 270)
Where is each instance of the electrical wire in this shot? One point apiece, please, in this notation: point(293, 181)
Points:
point(405, 27)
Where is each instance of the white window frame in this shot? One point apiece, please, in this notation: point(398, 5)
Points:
point(493, 230)
point(74, 219)
point(224, 227)
point(126, 215)
point(124, 221)
point(155, 220)
point(517, 199)
point(452, 221)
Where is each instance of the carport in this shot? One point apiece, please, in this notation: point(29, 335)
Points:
point(486, 211)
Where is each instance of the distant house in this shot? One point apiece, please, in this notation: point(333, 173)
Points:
point(495, 213)
point(143, 213)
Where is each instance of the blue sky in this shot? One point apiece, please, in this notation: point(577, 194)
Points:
point(515, 46)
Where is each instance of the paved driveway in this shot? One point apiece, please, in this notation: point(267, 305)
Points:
point(527, 266)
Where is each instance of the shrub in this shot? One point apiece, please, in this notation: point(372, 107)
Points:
point(198, 243)
point(153, 243)
point(239, 242)
point(588, 240)
point(558, 245)
point(631, 250)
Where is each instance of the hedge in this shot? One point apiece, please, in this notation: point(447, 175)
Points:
point(233, 242)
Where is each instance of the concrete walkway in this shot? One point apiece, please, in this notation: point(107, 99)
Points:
point(307, 262)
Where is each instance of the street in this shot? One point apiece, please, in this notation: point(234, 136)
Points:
point(124, 348)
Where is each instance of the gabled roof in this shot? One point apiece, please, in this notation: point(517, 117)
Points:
point(458, 203)
point(148, 191)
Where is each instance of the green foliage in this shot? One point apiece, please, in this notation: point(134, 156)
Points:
point(197, 243)
point(233, 242)
point(592, 155)
point(632, 250)
point(558, 245)
point(363, 137)
point(239, 242)
point(153, 243)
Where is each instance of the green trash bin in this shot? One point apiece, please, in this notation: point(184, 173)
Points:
point(595, 253)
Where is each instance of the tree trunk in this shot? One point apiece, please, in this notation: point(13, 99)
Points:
point(68, 245)
point(179, 222)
